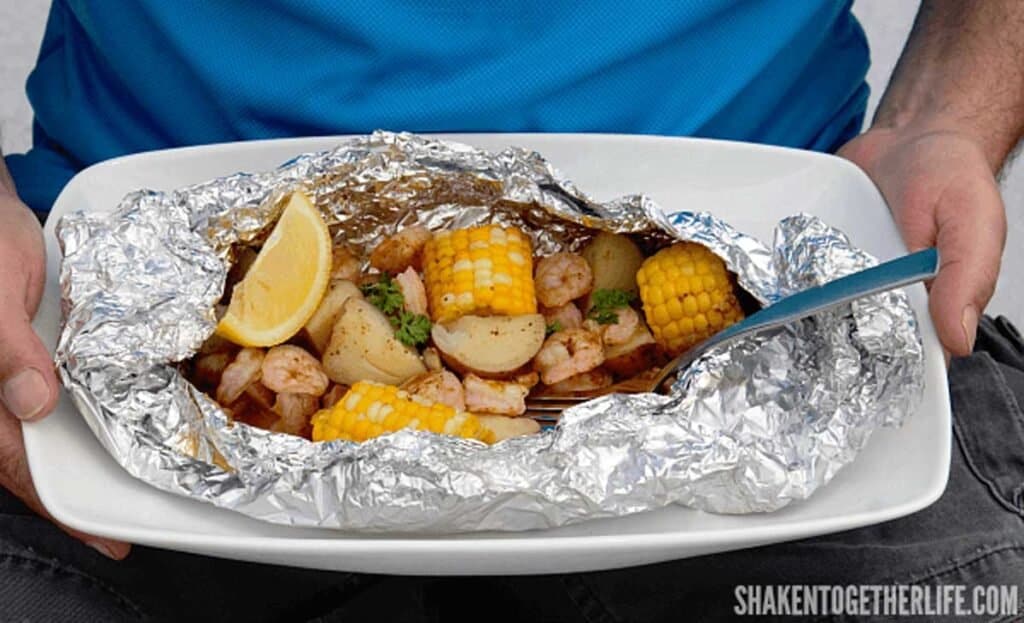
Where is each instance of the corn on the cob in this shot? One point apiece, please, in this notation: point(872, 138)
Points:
point(687, 295)
point(371, 409)
point(484, 271)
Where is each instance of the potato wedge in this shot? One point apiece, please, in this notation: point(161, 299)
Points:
point(505, 427)
point(614, 258)
point(363, 347)
point(632, 356)
point(320, 325)
point(489, 346)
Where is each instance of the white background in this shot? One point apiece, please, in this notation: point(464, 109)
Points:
point(887, 23)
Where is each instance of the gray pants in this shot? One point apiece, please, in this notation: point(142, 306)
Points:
point(973, 535)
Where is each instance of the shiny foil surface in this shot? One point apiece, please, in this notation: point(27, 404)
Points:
point(748, 428)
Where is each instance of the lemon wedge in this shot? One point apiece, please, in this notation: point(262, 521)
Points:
point(286, 281)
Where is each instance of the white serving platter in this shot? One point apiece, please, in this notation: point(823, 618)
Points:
point(751, 186)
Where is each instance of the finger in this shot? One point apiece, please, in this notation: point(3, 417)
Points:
point(28, 385)
point(16, 478)
point(970, 234)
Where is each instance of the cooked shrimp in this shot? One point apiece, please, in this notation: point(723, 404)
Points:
point(207, 369)
point(561, 278)
point(344, 265)
point(528, 379)
point(582, 382)
point(333, 395)
point(400, 251)
point(567, 316)
point(439, 386)
point(622, 329)
point(295, 411)
point(291, 369)
point(260, 394)
point(495, 397)
point(432, 359)
point(568, 353)
point(414, 295)
point(239, 374)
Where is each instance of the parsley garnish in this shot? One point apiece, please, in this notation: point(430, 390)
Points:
point(603, 304)
point(554, 327)
point(410, 329)
point(385, 295)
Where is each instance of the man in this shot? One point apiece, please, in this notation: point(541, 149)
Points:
point(116, 78)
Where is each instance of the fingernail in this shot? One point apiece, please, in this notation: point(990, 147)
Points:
point(969, 322)
point(26, 393)
point(103, 549)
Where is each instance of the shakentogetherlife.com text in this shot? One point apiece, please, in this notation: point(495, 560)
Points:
point(876, 600)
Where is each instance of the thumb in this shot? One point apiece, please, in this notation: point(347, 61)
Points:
point(28, 385)
point(970, 233)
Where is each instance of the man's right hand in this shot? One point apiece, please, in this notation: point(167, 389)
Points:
point(28, 385)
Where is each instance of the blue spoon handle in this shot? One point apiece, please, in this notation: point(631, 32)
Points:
point(888, 276)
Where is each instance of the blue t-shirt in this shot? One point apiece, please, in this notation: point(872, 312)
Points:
point(120, 77)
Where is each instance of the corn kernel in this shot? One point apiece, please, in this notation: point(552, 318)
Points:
point(689, 306)
point(700, 323)
point(660, 316)
point(704, 301)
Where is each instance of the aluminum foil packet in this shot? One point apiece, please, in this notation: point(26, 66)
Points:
point(748, 428)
